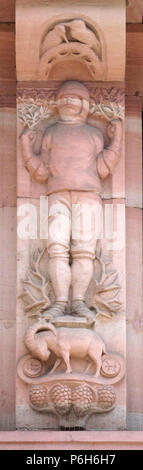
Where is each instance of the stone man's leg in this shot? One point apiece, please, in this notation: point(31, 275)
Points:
point(58, 251)
point(83, 249)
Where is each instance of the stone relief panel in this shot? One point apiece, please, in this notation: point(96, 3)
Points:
point(38, 108)
point(38, 293)
point(71, 288)
point(72, 48)
point(34, 106)
point(62, 34)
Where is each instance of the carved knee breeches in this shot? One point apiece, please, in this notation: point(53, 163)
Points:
point(74, 224)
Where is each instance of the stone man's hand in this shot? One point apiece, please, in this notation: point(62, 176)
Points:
point(28, 135)
point(114, 128)
point(31, 141)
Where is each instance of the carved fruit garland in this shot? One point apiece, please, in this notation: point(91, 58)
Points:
point(83, 399)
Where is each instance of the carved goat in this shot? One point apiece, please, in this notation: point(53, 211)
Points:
point(65, 343)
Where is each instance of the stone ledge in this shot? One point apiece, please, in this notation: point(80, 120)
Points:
point(76, 440)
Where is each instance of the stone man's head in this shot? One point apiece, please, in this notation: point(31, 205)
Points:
point(73, 102)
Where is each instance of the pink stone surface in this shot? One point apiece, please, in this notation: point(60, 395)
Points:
point(112, 332)
point(134, 253)
point(29, 35)
point(8, 157)
point(73, 440)
point(134, 309)
point(134, 262)
point(133, 163)
point(26, 186)
point(7, 374)
point(7, 267)
point(134, 67)
point(73, 160)
point(78, 175)
point(134, 12)
point(7, 262)
point(114, 242)
point(112, 186)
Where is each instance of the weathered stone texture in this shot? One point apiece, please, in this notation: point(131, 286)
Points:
point(134, 64)
point(7, 268)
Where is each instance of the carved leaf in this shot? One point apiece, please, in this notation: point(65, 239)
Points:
point(115, 305)
point(33, 291)
point(108, 293)
point(108, 112)
point(110, 278)
point(33, 276)
point(106, 287)
point(36, 286)
point(31, 115)
point(26, 298)
point(112, 306)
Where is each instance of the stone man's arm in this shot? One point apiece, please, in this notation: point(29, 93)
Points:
point(36, 165)
point(108, 157)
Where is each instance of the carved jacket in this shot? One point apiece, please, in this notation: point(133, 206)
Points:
point(73, 158)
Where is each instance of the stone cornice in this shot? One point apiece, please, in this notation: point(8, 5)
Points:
point(123, 440)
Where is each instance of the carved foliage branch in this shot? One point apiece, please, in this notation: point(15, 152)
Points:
point(105, 299)
point(35, 287)
point(36, 107)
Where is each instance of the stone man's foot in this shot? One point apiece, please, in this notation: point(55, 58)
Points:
point(80, 309)
point(56, 310)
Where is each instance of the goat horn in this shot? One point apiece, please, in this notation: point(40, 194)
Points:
point(48, 326)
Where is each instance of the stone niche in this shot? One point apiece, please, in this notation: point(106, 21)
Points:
point(88, 41)
point(70, 154)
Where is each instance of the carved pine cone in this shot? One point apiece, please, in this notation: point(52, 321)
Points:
point(61, 396)
point(106, 397)
point(82, 399)
point(38, 395)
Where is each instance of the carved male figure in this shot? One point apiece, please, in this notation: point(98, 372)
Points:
point(72, 163)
